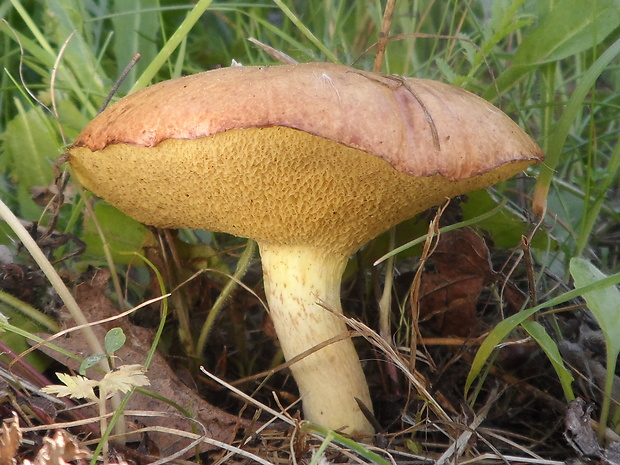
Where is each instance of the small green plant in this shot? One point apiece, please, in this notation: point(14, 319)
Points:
point(121, 380)
point(602, 299)
point(113, 341)
point(331, 436)
point(604, 303)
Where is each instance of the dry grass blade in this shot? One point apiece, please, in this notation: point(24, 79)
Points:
point(455, 451)
point(304, 354)
point(273, 53)
point(509, 459)
point(195, 438)
point(209, 441)
point(413, 377)
point(249, 399)
point(72, 329)
point(487, 432)
point(429, 246)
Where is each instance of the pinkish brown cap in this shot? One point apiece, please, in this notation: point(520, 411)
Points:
point(316, 153)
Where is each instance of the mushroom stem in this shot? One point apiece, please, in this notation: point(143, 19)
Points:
point(297, 279)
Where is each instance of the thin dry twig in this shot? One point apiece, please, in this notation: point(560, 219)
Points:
point(119, 81)
point(54, 110)
point(388, 14)
point(526, 240)
point(421, 35)
point(429, 247)
point(274, 53)
point(249, 399)
point(401, 81)
point(298, 357)
point(20, 68)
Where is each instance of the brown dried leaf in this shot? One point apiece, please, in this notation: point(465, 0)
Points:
point(449, 292)
point(10, 440)
point(582, 438)
point(59, 450)
point(450, 305)
point(463, 252)
point(219, 424)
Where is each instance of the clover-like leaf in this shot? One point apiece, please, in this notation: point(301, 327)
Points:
point(90, 361)
point(114, 340)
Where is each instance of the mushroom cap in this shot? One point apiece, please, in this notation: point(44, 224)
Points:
point(316, 154)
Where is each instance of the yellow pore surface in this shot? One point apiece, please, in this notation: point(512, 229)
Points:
point(277, 185)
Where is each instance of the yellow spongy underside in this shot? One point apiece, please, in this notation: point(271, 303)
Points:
point(276, 185)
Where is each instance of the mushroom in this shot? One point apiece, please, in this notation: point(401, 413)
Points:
point(310, 160)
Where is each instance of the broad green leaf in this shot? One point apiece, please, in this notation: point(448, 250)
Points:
point(18, 342)
point(592, 209)
point(548, 345)
point(567, 29)
point(114, 340)
point(30, 146)
point(122, 234)
point(66, 19)
point(6, 233)
point(31, 314)
point(506, 227)
point(495, 337)
point(604, 303)
point(505, 327)
point(135, 31)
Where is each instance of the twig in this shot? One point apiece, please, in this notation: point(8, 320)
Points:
point(119, 81)
point(388, 13)
point(274, 53)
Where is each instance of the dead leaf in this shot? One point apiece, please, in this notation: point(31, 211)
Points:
point(10, 440)
point(582, 438)
point(450, 291)
point(59, 450)
point(219, 424)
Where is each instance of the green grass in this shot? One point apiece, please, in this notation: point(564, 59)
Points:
point(551, 65)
